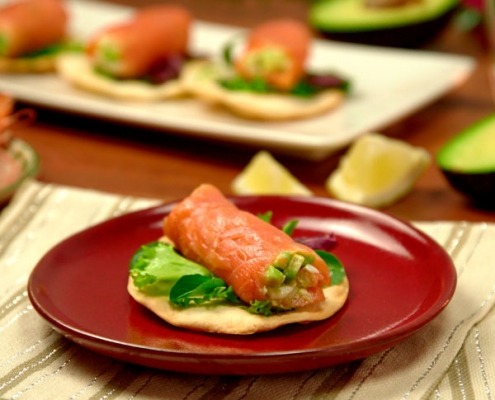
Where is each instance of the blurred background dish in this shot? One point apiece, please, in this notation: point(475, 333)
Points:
point(397, 23)
point(21, 162)
point(377, 96)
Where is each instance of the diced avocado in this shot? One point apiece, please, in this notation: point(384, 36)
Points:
point(294, 266)
point(408, 24)
point(273, 276)
point(108, 52)
point(4, 44)
point(282, 259)
point(266, 61)
point(107, 56)
point(468, 160)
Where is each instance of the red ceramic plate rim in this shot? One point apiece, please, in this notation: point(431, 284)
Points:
point(388, 261)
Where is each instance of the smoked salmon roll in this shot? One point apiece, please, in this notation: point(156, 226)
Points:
point(259, 261)
point(27, 26)
point(276, 51)
point(132, 48)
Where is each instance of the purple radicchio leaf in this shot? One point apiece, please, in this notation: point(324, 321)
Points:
point(325, 241)
point(327, 81)
point(167, 69)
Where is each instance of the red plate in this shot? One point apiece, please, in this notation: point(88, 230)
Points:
point(400, 279)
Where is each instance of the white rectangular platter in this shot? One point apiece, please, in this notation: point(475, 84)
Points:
point(388, 84)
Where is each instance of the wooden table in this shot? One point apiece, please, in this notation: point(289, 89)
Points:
point(108, 156)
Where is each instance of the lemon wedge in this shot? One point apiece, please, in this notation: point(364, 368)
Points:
point(264, 175)
point(377, 171)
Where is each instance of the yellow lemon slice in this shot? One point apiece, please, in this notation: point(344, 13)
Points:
point(264, 175)
point(377, 171)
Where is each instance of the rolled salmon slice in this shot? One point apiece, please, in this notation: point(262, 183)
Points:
point(257, 259)
point(6, 106)
point(132, 48)
point(30, 25)
point(276, 51)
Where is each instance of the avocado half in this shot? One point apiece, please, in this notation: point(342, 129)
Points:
point(468, 161)
point(409, 24)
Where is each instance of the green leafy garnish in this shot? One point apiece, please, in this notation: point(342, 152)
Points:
point(227, 53)
point(156, 266)
point(337, 271)
point(304, 88)
point(199, 289)
point(195, 290)
point(267, 216)
point(289, 227)
point(228, 49)
point(237, 83)
point(262, 307)
point(56, 49)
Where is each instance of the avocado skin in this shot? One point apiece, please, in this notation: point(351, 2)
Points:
point(408, 36)
point(480, 187)
point(404, 31)
point(467, 161)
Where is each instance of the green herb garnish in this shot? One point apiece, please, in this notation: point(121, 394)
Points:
point(267, 216)
point(56, 49)
point(262, 307)
point(288, 227)
point(199, 289)
point(305, 88)
point(337, 271)
point(256, 85)
point(227, 53)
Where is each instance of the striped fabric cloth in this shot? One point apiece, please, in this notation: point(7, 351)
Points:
point(450, 358)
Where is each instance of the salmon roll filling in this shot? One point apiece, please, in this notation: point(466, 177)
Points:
point(259, 261)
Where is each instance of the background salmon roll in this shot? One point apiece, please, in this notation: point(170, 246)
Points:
point(133, 48)
point(265, 78)
point(276, 51)
point(30, 25)
point(139, 59)
point(257, 259)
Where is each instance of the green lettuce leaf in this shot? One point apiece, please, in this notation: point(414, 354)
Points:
point(337, 271)
point(156, 266)
point(199, 289)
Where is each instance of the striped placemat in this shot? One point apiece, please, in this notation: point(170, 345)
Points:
point(450, 358)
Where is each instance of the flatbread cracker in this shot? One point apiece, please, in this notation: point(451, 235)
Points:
point(77, 70)
point(28, 65)
point(200, 80)
point(236, 320)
